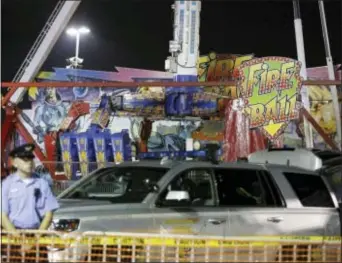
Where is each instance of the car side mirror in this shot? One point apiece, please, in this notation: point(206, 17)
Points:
point(175, 199)
point(177, 196)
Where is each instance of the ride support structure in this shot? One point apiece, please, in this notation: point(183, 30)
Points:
point(35, 58)
point(184, 49)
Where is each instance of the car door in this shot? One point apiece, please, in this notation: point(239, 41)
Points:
point(252, 206)
point(200, 216)
point(315, 209)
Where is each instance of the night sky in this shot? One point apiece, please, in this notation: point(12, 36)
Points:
point(136, 33)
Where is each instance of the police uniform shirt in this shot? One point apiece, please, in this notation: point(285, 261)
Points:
point(26, 201)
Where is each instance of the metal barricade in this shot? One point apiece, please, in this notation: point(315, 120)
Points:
point(37, 246)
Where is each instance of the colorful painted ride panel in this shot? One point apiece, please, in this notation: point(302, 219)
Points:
point(204, 105)
point(122, 148)
point(68, 143)
point(100, 118)
point(103, 148)
point(143, 105)
point(174, 104)
point(86, 152)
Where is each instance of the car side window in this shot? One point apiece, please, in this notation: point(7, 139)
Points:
point(197, 182)
point(243, 187)
point(310, 190)
point(107, 183)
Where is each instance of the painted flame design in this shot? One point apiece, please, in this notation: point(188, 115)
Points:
point(118, 157)
point(100, 159)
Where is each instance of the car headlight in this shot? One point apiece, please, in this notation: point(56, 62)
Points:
point(65, 225)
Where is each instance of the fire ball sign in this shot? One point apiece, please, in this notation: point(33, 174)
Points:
point(270, 87)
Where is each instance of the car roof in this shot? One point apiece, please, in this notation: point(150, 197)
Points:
point(189, 164)
point(297, 157)
point(144, 163)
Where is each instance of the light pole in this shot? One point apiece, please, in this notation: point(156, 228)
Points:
point(301, 58)
point(331, 72)
point(76, 32)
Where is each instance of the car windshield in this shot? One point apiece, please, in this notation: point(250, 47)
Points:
point(118, 185)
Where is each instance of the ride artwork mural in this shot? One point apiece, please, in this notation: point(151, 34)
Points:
point(50, 107)
point(321, 102)
point(221, 67)
point(269, 88)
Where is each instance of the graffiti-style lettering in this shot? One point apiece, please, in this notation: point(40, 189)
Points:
point(292, 111)
point(275, 111)
point(272, 80)
point(251, 81)
point(261, 78)
point(271, 111)
point(270, 86)
point(282, 108)
point(257, 115)
point(215, 67)
point(287, 71)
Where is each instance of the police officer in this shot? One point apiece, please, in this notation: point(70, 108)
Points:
point(26, 200)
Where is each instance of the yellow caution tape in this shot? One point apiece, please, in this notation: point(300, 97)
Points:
point(311, 238)
point(180, 221)
point(168, 242)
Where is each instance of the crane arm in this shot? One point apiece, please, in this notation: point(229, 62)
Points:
point(43, 45)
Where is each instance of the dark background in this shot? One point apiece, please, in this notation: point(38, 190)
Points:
point(135, 33)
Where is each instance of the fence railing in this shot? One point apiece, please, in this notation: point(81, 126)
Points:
point(38, 246)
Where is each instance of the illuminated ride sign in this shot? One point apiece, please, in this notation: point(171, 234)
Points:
point(269, 87)
point(221, 67)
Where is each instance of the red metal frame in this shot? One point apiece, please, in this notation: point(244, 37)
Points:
point(112, 84)
point(12, 122)
point(6, 130)
point(4, 101)
point(319, 129)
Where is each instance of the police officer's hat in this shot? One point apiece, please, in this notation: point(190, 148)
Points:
point(23, 151)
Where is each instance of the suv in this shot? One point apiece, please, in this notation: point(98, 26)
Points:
point(199, 198)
